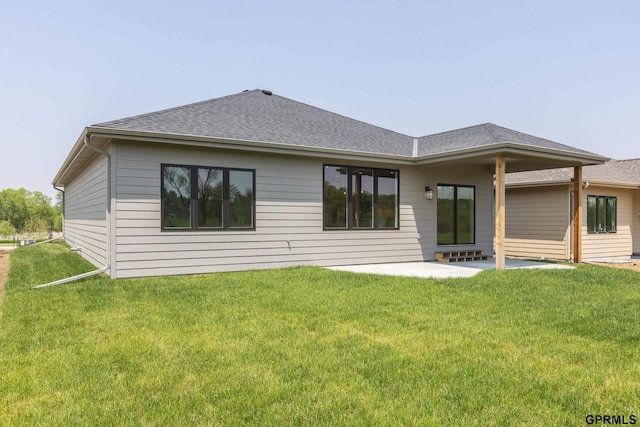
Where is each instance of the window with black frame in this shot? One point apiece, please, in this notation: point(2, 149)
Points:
point(456, 214)
point(207, 198)
point(602, 212)
point(360, 198)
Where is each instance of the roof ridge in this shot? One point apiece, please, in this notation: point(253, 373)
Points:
point(166, 110)
point(454, 130)
point(486, 127)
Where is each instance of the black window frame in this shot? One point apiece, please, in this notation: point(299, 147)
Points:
point(349, 223)
point(606, 222)
point(455, 214)
point(194, 227)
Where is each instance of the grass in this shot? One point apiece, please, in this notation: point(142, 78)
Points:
point(305, 346)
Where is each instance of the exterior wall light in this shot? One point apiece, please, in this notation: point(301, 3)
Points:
point(428, 193)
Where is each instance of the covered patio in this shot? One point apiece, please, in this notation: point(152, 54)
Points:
point(502, 150)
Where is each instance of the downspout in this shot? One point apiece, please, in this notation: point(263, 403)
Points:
point(87, 142)
point(87, 139)
point(74, 278)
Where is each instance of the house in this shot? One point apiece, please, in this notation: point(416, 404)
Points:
point(255, 180)
point(540, 207)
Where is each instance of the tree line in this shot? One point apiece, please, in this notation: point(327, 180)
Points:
point(28, 212)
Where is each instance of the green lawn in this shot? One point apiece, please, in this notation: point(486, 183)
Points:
point(308, 346)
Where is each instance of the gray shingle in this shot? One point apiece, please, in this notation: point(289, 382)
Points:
point(254, 116)
point(612, 172)
point(485, 135)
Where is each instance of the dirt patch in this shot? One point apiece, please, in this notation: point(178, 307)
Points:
point(633, 265)
point(4, 267)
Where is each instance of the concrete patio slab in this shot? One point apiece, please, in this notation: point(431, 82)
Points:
point(441, 270)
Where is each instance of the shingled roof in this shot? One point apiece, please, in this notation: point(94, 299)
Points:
point(485, 135)
point(260, 116)
point(613, 172)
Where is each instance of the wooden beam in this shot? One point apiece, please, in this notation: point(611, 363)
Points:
point(577, 214)
point(500, 212)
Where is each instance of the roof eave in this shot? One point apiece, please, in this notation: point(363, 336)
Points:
point(73, 154)
point(625, 185)
point(511, 149)
point(239, 144)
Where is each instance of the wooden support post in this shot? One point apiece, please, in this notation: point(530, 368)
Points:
point(577, 214)
point(500, 213)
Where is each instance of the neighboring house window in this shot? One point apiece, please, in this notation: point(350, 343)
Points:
point(456, 214)
point(601, 214)
point(207, 198)
point(360, 198)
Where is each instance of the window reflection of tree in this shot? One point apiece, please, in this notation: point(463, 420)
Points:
point(177, 193)
point(210, 197)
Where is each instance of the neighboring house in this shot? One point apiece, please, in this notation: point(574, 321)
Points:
point(540, 212)
point(255, 180)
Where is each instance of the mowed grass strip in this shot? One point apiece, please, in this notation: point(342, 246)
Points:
point(305, 346)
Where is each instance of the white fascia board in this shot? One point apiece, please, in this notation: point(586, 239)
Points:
point(73, 154)
point(513, 150)
point(631, 186)
point(255, 146)
point(625, 185)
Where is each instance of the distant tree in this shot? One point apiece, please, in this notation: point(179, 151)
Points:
point(34, 226)
point(13, 207)
point(6, 229)
point(57, 212)
point(26, 210)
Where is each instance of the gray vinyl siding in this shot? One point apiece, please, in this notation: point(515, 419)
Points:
point(608, 245)
point(635, 221)
point(85, 212)
point(538, 223)
point(426, 210)
point(289, 224)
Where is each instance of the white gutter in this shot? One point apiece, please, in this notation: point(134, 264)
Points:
point(241, 144)
point(513, 149)
point(71, 158)
point(585, 184)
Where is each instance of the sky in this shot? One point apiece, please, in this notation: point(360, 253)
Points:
point(568, 71)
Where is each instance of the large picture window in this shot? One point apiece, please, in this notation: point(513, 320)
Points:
point(601, 214)
point(456, 214)
point(207, 198)
point(360, 198)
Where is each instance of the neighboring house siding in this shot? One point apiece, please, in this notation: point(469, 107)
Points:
point(537, 222)
point(289, 224)
point(85, 212)
point(635, 221)
point(608, 245)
